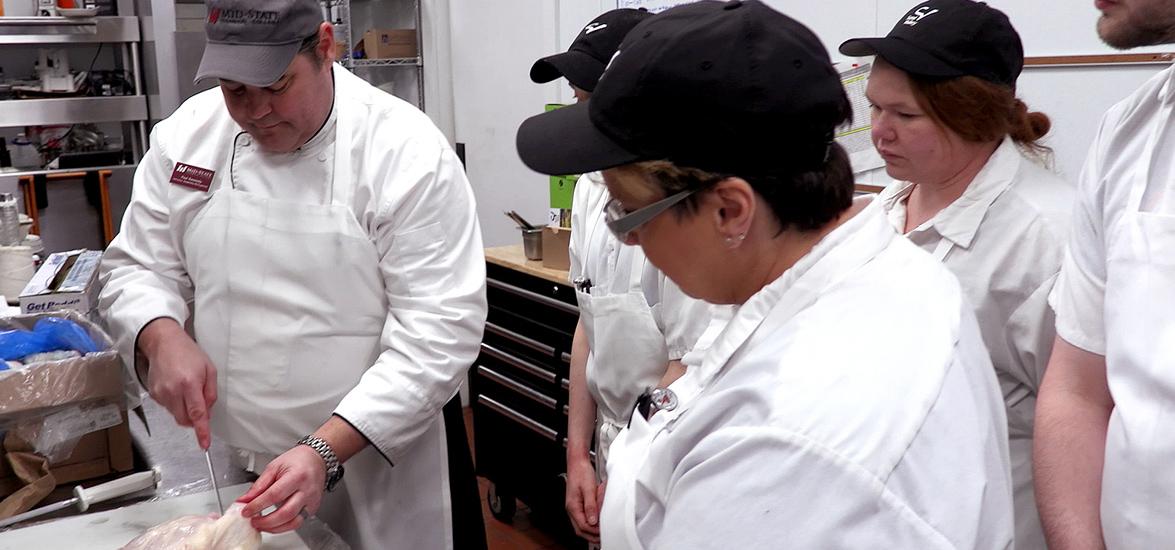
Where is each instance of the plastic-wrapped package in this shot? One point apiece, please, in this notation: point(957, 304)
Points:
point(55, 435)
point(52, 404)
point(197, 531)
point(229, 532)
point(50, 356)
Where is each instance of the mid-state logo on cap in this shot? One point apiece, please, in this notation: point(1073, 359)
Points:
point(238, 16)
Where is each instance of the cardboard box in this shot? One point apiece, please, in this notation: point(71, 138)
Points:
point(66, 280)
point(97, 454)
point(29, 395)
point(389, 43)
point(555, 243)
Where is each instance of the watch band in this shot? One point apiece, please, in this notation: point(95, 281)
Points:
point(334, 469)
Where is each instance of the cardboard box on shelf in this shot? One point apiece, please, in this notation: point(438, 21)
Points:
point(80, 397)
point(66, 280)
point(389, 43)
point(555, 242)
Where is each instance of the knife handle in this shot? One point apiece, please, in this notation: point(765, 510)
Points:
point(111, 489)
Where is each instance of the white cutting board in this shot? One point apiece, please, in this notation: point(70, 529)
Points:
point(112, 529)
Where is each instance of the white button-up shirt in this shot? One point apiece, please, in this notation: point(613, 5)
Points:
point(1004, 239)
point(1116, 297)
point(848, 404)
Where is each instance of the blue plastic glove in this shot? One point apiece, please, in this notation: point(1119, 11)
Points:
point(67, 335)
point(49, 334)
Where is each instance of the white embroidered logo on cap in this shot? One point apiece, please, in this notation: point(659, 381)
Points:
point(918, 14)
point(593, 27)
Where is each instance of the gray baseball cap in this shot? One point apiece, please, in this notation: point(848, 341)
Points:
point(254, 41)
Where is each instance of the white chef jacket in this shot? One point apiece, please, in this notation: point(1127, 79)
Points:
point(597, 255)
point(1005, 238)
point(411, 196)
point(848, 404)
point(1114, 298)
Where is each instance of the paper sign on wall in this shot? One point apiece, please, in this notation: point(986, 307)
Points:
point(654, 6)
point(855, 136)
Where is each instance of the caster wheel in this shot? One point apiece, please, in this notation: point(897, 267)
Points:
point(502, 504)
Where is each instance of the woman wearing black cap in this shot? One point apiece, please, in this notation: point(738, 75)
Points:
point(635, 325)
point(965, 153)
point(848, 402)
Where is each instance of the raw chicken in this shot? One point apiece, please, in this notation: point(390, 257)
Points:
point(231, 532)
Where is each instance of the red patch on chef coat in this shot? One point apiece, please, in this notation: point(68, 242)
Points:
point(192, 177)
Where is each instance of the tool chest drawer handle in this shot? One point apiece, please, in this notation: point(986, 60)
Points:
point(518, 417)
point(518, 363)
point(520, 339)
point(517, 387)
point(534, 296)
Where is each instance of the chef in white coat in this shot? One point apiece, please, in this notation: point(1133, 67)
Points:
point(1107, 406)
point(970, 189)
point(321, 240)
point(848, 402)
point(635, 325)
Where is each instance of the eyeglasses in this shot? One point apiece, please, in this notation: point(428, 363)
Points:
point(623, 223)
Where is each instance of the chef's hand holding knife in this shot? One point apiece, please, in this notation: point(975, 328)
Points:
point(180, 375)
point(182, 378)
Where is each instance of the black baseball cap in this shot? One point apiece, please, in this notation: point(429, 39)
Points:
point(254, 41)
point(584, 62)
point(727, 87)
point(947, 39)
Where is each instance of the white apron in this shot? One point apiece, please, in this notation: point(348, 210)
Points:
point(628, 353)
point(1138, 490)
point(291, 305)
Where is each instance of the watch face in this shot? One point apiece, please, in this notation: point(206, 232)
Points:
point(333, 476)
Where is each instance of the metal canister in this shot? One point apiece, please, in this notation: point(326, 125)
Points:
point(532, 243)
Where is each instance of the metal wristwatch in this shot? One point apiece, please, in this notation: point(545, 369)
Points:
point(334, 468)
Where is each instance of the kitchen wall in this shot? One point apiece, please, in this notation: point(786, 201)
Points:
point(494, 44)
